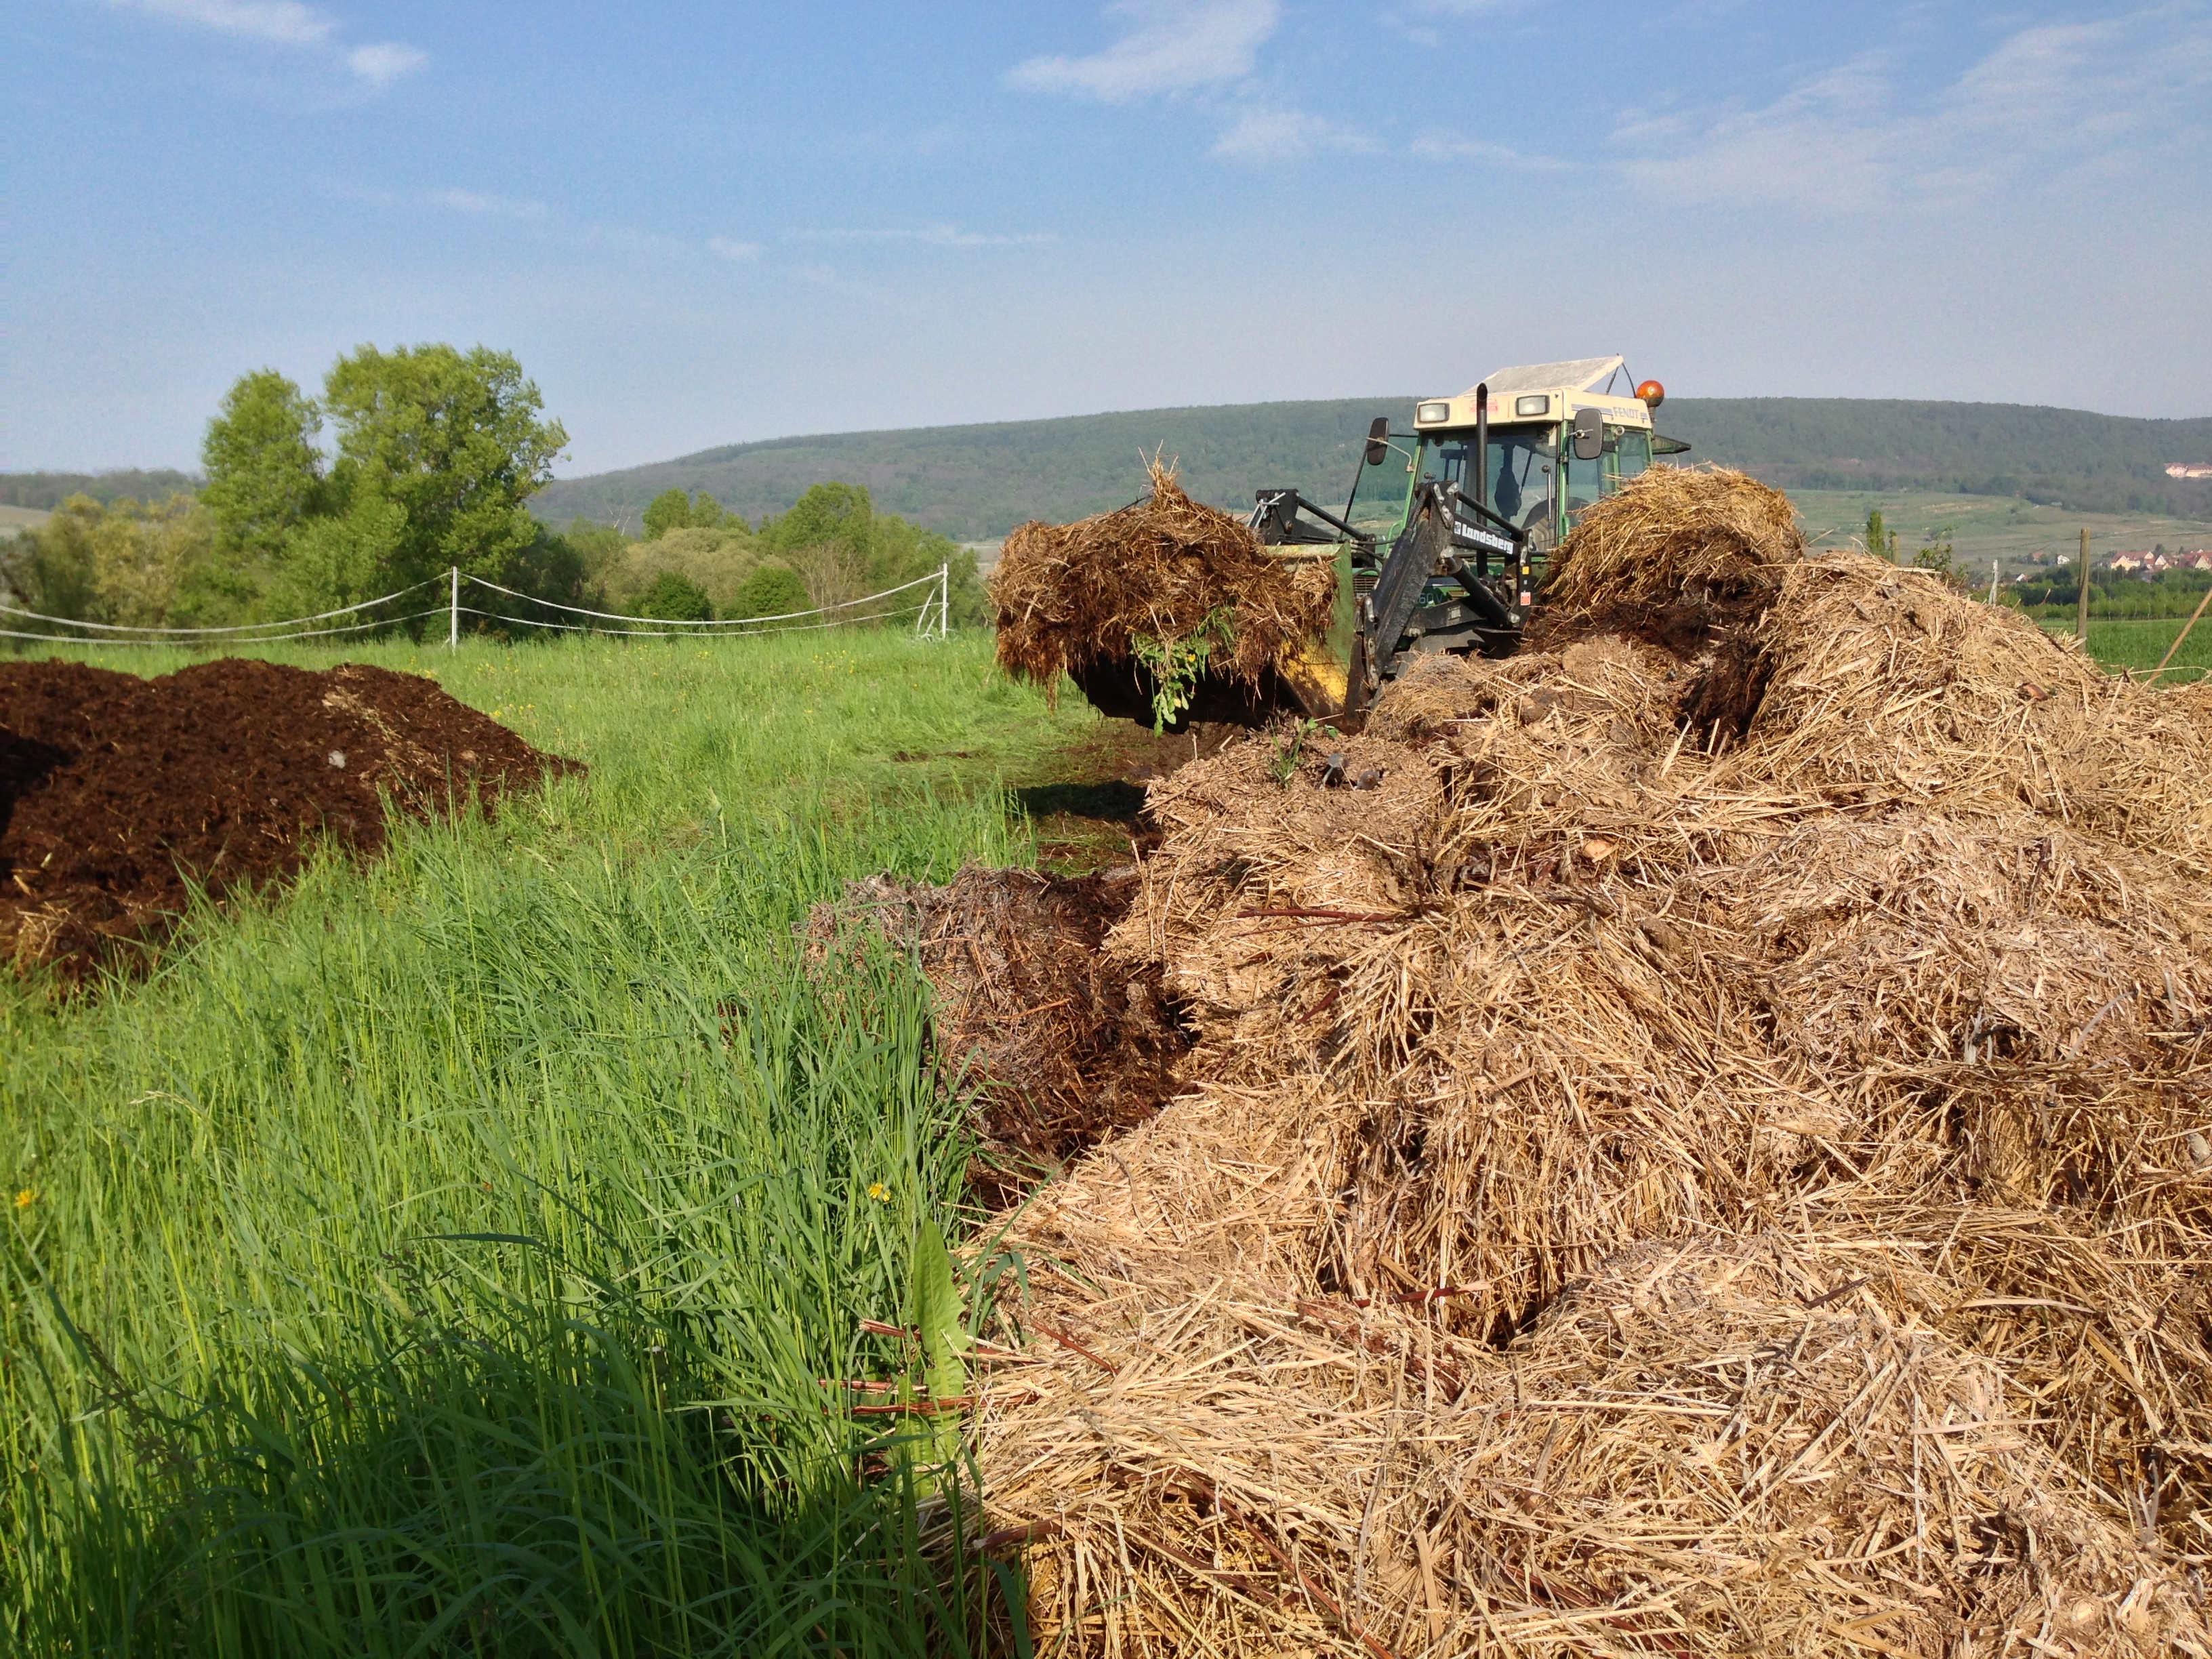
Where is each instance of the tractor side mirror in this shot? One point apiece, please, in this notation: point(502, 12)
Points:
point(1589, 433)
point(1378, 441)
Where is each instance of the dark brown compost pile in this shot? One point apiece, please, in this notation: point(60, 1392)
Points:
point(117, 792)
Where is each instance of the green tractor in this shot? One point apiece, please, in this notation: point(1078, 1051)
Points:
point(1444, 536)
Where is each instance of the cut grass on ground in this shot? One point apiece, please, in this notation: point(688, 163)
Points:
point(446, 1256)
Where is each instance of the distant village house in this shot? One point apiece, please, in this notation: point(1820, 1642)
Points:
point(2156, 562)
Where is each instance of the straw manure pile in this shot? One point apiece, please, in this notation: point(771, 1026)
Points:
point(1073, 596)
point(1653, 1187)
point(1676, 535)
point(1738, 1445)
point(1059, 1048)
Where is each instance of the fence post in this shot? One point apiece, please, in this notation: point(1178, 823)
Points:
point(945, 601)
point(453, 614)
point(2082, 593)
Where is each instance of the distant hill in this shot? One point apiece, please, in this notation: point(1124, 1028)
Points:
point(2065, 456)
point(975, 483)
point(48, 490)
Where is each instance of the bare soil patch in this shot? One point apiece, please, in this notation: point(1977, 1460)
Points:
point(1088, 804)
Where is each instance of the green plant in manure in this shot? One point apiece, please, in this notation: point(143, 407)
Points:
point(1291, 747)
point(1177, 665)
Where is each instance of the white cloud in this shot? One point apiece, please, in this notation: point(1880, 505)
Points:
point(736, 252)
point(938, 235)
point(470, 201)
point(1287, 135)
point(1452, 147)
point(2052, 99)
point(286, 22)
point(384, 61)
point(1167, 45)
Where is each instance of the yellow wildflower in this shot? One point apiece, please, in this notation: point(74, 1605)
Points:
point(880, 1192)
point(26, 1198)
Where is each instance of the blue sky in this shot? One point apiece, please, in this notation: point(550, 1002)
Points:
point(703, 224)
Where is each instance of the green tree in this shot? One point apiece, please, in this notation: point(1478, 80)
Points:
point(437, 450)
point(829, 515)
point(707, 514)
point(118, 563)
point(598, 548)
point(1939, 556)
point(51, 569)
point(845, 547)
point(264, 472)
point(674, 597)
point(669, 510)
point(771, 590)
point(1880, 541)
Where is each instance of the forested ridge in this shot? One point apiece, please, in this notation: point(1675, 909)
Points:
point(975, 482)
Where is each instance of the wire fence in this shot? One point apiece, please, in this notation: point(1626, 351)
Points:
point(929, 603)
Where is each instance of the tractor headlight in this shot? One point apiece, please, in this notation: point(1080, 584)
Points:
point(1432, 412)
point(1538, 405)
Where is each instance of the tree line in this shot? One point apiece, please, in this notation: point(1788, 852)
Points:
point(418, 459)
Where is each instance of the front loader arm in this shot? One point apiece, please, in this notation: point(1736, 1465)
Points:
point(1442, 527)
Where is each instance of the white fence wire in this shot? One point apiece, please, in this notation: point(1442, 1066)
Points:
point(932, 616)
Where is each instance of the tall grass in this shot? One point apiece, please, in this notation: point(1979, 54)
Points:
point(445, 1257)
point(2139, 645)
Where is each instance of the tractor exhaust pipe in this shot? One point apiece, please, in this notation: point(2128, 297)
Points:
point(1482, 463)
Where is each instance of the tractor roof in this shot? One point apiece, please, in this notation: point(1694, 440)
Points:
point(1568, 387)
point(1582, 375)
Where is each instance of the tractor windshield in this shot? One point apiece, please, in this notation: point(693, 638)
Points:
point(1520, 470)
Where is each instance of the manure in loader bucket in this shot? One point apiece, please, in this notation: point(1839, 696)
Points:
point(1710, 1154)
point(1169, 611)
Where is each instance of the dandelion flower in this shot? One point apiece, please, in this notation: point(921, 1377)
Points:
point(880, 1192)
point(26, 1198)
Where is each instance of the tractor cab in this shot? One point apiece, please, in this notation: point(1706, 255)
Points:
point(1561, 437)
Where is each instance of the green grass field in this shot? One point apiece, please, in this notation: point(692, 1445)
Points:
point(1983, 528)
point(443, 1258)
point(2138, 646)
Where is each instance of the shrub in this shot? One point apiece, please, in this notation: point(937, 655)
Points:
point(772, 590)
point(673, 598)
